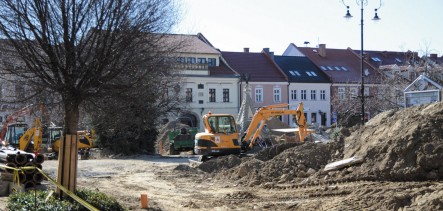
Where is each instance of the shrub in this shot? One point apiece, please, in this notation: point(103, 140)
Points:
point(99, 200)
point(35, 200)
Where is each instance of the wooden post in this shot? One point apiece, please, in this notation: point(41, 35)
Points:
point(67, 163)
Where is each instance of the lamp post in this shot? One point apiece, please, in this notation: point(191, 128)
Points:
point(362, 3)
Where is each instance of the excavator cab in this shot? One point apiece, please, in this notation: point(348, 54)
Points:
point(14, 132)
point(220, 136)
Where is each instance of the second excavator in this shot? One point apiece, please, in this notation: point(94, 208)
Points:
point(221, 135)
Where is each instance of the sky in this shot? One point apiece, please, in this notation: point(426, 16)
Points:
point(231, 25)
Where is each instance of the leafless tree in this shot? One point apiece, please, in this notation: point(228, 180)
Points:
point(83, 50)
point(78, 49)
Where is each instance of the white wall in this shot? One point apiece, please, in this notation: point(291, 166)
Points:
point(312, 106)
point(202, 95)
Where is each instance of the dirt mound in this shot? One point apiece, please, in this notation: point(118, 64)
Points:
point(163, 139)
point(220, 163)
point(400, 145)
point(277, 164)
point(397, 145)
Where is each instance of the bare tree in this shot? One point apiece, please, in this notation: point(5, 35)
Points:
point(80, 49)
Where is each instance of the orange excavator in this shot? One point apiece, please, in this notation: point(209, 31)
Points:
point(221, 136)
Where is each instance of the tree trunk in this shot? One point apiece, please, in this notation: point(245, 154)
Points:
point(68, 152)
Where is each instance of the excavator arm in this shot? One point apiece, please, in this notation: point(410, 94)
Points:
point(264, 113)
point(34, 133)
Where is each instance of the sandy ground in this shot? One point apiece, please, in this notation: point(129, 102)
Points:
point(171, 184)
point(400, 169)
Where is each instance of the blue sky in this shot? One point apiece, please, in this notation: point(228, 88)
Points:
point(232, 25)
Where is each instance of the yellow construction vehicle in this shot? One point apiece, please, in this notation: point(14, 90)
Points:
point(221, 136)
point(85, 142)
point(18, 135)
point(31, 140)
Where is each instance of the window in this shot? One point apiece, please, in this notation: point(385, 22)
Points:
point(225, 95)
point(366, 91)
point(311, 73)
point(188, 94)
point(323, 68)
point(303, 94)
point(313, 118)
point(211, 62)
point(277, 95)
point(337, 68)
point(376, 59)
point(222, 124)
point(330, 68)
point(258, 95)
point(294, 94)
point(353, 92)
point(344, 68)
point(341, 93)
point(181, 59)
point(200, 86)
point(201, 60)
point(294, 73)
point(190, 60)
point(313, 94)
point(212, 95)
point(322, 94)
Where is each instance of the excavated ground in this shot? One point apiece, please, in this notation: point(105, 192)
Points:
point(401, 169)
point(398, 148)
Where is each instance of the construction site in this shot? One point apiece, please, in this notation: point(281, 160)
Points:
point(393, 162)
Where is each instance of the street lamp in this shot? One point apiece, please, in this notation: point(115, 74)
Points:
point(362, 3)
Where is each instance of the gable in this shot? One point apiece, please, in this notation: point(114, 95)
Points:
point(423, 83)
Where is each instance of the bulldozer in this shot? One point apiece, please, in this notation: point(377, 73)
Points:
point(221, 135)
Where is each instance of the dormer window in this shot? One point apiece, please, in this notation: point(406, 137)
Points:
point(376, 59)
point(311, 73)
point(294, 73)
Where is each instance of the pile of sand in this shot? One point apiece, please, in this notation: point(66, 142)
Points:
point(400, 145)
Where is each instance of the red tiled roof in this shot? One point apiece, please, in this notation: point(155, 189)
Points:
point(345, 65)
point(222, 70)
point(257, 65)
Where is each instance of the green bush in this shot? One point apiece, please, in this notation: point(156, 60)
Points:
point(31, 200)
point(99, 200)
point(35, 200)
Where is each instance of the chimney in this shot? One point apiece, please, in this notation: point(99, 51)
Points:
point(246, 50)
point(322, 50)
point(266, 50)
